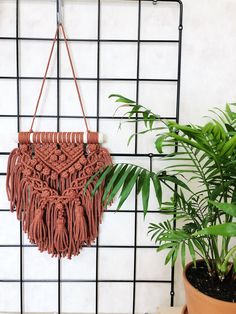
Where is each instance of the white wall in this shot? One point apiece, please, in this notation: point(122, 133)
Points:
point(208, 69)
point(208, 80)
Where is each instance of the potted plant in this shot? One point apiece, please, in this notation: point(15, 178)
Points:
point(200, 214)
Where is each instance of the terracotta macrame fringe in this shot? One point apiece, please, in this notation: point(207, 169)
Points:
point(45, 185)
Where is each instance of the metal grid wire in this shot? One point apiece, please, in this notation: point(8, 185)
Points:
point(58, 116)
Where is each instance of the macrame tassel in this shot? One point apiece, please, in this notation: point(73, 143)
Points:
point(51, 219)
point(13, 176)
point(87, 202)
point(10, 173)
point(22, 198)
point(38, 230)
point(80, 225)
point(28, 214)
point(69, 208)
point(98, 203)
point(61, 237)
point(61, 240)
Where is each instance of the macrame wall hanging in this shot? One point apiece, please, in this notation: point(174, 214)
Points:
point(46, 177)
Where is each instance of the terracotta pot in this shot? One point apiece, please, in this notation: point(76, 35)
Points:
point(199, 303)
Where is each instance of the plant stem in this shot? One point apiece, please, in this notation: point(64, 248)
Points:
point(226, 259)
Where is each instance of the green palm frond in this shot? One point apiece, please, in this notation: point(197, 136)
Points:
point(201, 174)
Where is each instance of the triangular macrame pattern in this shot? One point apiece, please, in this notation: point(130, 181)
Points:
point(45, 184)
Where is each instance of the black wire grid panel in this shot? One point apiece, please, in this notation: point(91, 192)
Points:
point(98, 118)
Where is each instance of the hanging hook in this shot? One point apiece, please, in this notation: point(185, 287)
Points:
point(59, 11)
point(154, 2)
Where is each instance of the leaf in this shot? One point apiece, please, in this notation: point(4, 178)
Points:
point(234, 195)
point(176, 181)
point(130, 138)
point(157, 188)
point(158, 143)
point(175, 255)
point(229, 209)
point(208, 127)
point(146, 192)
point(192, 252)
point(169, 255)
point(152, 119)
point(120, 168)
point(110, 174)
point(141, 132)
point(164, 247)
point(198, 145)
point(230, 113)
point(234, 264)
point(183, 254)
point(134, 110)
point(230, 128)
point(101, 179)
point(226, 117)
point(141, 181)
point(119, 182)
point(227, 229)
point(128, 186)
point(154, 234)
point(123, 99)
point(93, 177)
point(145, 117)
point(229, 146)
point(198, 246)
point(219, 189)
point(123, 106)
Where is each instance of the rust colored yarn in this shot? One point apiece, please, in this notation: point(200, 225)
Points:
point(46, 177)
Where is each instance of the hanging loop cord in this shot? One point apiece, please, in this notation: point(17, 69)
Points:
point(46, 72)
